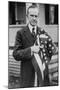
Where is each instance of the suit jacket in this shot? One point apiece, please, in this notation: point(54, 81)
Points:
point(22, 51)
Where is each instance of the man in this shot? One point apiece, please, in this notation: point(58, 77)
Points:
point(26, 48)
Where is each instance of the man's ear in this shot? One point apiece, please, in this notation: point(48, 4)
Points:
point(27, 16)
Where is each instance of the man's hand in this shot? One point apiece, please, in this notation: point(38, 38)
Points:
point(35, 49)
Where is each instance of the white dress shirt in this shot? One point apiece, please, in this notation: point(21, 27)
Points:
point(31, 27)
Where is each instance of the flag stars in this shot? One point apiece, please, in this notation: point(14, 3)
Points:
point(45, 46)
point(44, 54)
point(42, 45)
point(45, 57)
point(49, 45)
point(50, 52)
point(52, 48)
point(41, 41)
point(46, 61)
point(43, 50)
point(42, 29)
point(49, 39)
point(45, 42)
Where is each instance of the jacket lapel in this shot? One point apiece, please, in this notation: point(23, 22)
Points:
point(28, 35)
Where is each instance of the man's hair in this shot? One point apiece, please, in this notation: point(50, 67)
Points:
point(32, 6)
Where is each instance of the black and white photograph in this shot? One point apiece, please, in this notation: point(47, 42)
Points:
point(33, 44)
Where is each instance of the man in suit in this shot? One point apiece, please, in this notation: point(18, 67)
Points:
point(25, 48)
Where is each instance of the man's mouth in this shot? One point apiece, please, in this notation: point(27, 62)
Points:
point(34, 21)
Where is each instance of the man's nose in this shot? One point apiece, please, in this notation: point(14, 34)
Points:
point(34, 17)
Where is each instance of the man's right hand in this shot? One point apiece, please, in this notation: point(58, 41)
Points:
point(35, 49)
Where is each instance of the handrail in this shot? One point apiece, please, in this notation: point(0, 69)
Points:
point(17, 26)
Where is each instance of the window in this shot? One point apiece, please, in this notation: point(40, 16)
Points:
point(17, 13)
point(51, 14)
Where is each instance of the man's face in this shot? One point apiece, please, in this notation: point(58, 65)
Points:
point(33, 16)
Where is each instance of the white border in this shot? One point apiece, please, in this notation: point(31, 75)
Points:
point(4, 42)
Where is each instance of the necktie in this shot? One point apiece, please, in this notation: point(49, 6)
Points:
point(33, 32)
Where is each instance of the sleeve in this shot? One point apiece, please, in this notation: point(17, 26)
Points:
point(21, 53)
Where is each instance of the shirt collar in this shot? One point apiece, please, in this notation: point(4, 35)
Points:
point(30, 27)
